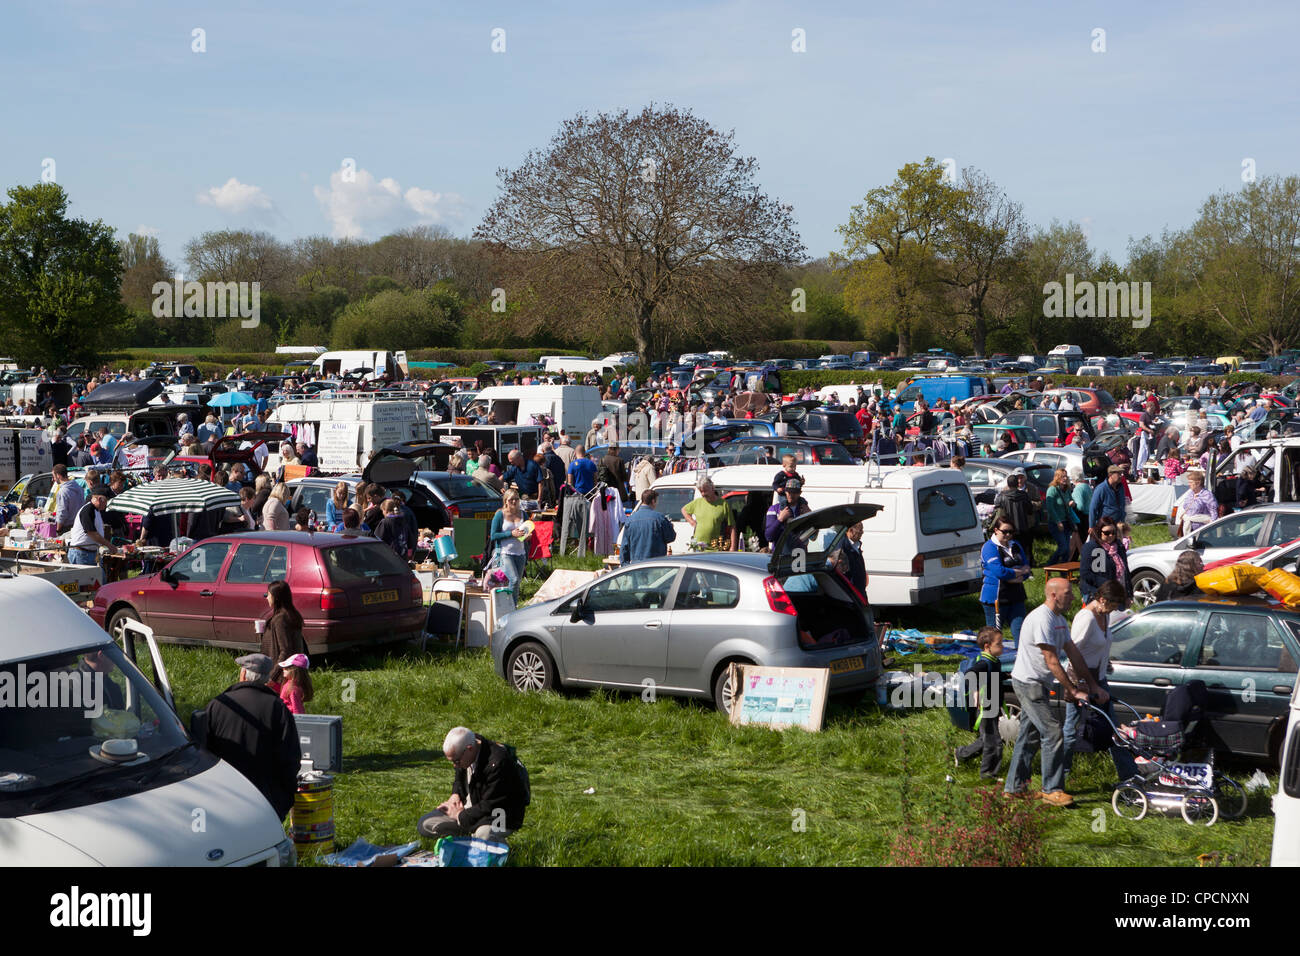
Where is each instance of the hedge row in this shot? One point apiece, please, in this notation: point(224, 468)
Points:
point(814, 378)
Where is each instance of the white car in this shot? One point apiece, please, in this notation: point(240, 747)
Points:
point(1264, 526)
point(99, 771)
point(1054, 458)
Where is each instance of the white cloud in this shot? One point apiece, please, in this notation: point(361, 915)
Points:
point(236, 198)
point(147, 230)
point(376, 206)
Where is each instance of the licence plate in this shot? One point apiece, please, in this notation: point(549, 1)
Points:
point(71, 587)
point(952, 562)
point(846, 664)
point(379, 597)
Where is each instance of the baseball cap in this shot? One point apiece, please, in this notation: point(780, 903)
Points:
point(1019, 472)
point(295, 660)
point(794, 484)
point(258, 664)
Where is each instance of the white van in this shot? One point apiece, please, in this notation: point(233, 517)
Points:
point(572, 407)
point(62, 802)
point(1066, 351)
point(1286, 802)
point(581, 366)
point(923, 546)
point(372, 364)
point(348, 426)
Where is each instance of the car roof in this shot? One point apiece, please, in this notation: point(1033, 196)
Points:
point(320, 539)
point(40, 620)
point(1247, 602)
point(745, 559)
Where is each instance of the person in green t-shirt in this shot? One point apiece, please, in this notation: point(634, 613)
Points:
point(710, 517)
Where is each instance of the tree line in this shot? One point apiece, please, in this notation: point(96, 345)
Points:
point(649, 231)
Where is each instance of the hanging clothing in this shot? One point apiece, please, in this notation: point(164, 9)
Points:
point(605, 521)
point(577, 512)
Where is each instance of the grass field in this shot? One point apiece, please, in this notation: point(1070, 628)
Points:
point(673, 783)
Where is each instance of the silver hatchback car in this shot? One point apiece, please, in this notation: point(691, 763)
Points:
point(676, 623)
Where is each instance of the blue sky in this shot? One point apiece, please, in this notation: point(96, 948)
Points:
point(252, 133)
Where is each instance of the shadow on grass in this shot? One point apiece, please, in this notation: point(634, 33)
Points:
point(433, 759)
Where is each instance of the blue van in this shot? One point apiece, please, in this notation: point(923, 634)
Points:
point(950, 388)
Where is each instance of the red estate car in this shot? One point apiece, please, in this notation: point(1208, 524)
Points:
point(350, 592)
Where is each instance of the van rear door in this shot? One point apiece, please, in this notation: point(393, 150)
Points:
point(949, 540)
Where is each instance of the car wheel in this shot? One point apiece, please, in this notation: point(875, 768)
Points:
point(529, 667)
point(117, 623)
point(723, 691)
point(1145, 586)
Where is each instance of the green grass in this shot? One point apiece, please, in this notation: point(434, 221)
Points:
point(674, 783)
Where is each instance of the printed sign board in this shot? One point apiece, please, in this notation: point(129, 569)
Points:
point(779, 697)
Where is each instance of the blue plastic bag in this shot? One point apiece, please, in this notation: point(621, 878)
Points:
point(470, 851)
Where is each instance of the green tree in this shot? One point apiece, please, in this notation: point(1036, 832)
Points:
point(393, 319)
point(892, 247)
point(60, 280)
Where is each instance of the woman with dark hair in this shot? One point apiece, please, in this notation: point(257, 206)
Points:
point(1102, 559)
point(1181, 582)
point(283, 635)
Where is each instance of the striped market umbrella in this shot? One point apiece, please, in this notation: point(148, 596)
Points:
point(174, 496)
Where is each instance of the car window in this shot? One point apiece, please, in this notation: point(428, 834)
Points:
point(1158, 637)
point(1286, 527)
point(1238, 531)
point(976, 476)
point(456, 487)
point(202, 564)
point(258, 564)
point(314, 498)
point(672, 501)
point(360, 563)
point(945, 508)
point(1244, 640)
point(707, 589)
point(635, 590)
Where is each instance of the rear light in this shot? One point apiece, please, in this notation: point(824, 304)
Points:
point(777, 599)
point(453, 511)
point(417, 592)
point(333, 599)
point(1059, 443)
point(918, 564)
point(815, 456)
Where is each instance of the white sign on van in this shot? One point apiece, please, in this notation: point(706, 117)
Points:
point(23, 451)
point(336, 449)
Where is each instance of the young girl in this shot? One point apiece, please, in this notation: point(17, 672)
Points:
point(296, 689)
point(283, 635)
point(1125, 534)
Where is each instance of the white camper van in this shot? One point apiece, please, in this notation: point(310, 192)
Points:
point(582, 366)
point(348, 426)
point(368, 365)
point(924, 544)
point(67, 796)
point(572, 407)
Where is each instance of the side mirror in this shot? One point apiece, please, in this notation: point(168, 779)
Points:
point(577, 613)
point(166, 575)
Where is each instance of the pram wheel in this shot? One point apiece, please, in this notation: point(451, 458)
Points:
point(1199, 807)
point(1129, 802)
point(1229, 796)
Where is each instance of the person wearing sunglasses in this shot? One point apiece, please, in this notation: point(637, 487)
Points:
point(1103, 559)
point(1005, 569)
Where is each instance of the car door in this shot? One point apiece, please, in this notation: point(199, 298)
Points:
point(183, 608)
point(1248, 663)
point(243, 590)
point(1231, 535)
point(1148, 652)
point(700, 614)
point(621, 635)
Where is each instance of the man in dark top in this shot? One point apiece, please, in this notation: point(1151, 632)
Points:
point(524, 474)
point(613, 471)
point(554, 464)
point(490, 793)
point(1018, 510)
point(392, 529)
point(250, 728)
point(852, 565)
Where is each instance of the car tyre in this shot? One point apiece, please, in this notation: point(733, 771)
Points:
point(116, 625)
point(530, 668)
point(723, 692)
point(1145, 585)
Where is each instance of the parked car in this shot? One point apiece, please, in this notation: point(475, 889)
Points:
point(350, 592)
point(678, 622)
point(807, 451)
point(1090, 401)
point(988, 476)
point(1053, 458)
point(1051, 427)
point(1262, 526)
point(1286, 802)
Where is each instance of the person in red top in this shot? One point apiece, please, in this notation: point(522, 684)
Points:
point(296, 689)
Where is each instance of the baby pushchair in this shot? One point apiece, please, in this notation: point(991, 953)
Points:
point(1172, 776)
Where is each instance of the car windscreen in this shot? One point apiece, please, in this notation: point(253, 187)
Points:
point(1104, 397)
point(456, 487)
point(672, 501)
point(350, 564)
point(832, 454)
point(945, 508)
point(1040, 475)
point(67, 705)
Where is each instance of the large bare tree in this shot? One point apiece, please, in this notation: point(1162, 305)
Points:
point(650, 219)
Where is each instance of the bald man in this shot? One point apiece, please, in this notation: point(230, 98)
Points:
point(1043, 636)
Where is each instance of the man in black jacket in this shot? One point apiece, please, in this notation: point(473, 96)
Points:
point(249, 727)
point(490, 793)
